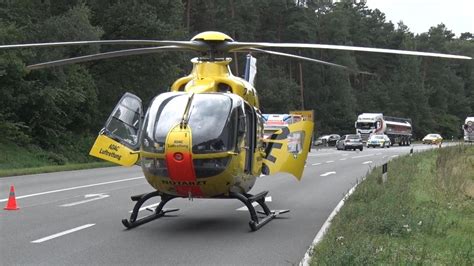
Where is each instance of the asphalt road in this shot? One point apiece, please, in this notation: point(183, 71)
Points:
point(75, 217)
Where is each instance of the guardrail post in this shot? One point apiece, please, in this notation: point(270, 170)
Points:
point(384, 172)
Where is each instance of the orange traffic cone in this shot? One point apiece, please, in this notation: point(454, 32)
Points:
point(11, 204)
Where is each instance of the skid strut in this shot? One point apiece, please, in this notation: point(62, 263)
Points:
point(248, 200)
point(158, 212)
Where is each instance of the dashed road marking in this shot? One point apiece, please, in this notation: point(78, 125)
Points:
point(61, 233)
point(361, 156)
point(367, 162)
point(316, 164)
point(92, 197)
point(343, 159)
point(321, 154)
point(329, 161)
point(328, 173)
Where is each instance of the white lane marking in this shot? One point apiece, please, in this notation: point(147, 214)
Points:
point(328, 173)
point(324, 154)
point(62, 233)
point(343, 159)
point(378, 153)
point(361, 156)
point(367, 162)
point(73, 188)
point(244, 208)
point(93, 196)
point(147, 207)
point(316, 164)
point(329, 161)
point(393, 156)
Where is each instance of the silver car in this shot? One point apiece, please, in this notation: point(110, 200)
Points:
point(350, 142)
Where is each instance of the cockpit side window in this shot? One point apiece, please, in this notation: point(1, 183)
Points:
point(124, 123)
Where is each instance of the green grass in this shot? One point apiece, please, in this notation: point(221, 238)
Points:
point(52, 168)
point(17, 160)
point(423, 214)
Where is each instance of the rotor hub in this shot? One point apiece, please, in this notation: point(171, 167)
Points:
point(212, 36)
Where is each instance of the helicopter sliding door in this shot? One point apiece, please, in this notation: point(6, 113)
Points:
point(287, 149)
point(118, 140)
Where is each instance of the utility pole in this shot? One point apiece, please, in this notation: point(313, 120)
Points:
point(301, 85)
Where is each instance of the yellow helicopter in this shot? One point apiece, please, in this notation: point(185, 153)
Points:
point(204, 138)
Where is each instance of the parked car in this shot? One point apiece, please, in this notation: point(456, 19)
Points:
point(432, 139)
point(382, 141)
point(350, 142)
point(327, 140)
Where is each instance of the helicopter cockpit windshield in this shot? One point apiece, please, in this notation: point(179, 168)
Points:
point(212, 118)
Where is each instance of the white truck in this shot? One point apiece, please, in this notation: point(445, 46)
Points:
point(468, 128)
point(399, 130)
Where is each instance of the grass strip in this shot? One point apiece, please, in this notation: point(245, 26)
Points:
point(423, 214)
point(52, 168)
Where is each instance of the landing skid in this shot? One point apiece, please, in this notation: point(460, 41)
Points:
point(247, 199)
point(158, 212)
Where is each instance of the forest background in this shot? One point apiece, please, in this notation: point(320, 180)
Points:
point(60, 110)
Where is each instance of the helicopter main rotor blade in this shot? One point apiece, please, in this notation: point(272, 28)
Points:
point(106, 55)
point(193, 45)
point(235, 46)
point(309, 59)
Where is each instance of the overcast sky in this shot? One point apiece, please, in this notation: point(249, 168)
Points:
point(420, 15)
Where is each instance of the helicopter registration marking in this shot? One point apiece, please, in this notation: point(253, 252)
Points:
point(244, 208)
